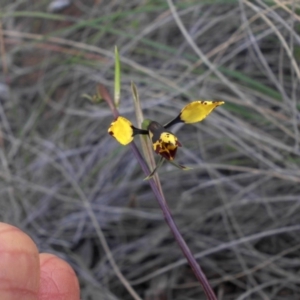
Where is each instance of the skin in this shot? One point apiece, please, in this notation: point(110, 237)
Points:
point(25, 274)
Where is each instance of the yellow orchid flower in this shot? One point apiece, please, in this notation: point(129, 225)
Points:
point(195, 111)
point(164, 142)
point(123, 130)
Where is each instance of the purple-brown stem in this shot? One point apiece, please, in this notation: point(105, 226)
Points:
point(164, 207)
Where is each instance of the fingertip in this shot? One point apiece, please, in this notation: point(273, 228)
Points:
point(19, 264)
point(15, 239)
point(58, 280)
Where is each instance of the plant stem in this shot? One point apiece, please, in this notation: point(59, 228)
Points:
point(174, 229)
point(164, 207)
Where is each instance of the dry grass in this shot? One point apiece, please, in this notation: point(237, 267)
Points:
point(238, 209)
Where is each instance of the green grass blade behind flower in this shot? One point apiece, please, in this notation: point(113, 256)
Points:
point(117, 91)
point(146, 145)
point(145, 142)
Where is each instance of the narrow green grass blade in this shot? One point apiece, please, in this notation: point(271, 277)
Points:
point(146, 145)
point(117, 92)
point(145, 141)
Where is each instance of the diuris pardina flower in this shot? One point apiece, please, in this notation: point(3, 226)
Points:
point(194, 112)
point(164, 142)
point(123, 130)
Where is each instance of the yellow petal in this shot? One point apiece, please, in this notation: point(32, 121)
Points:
point(122, 130)
point(198, 110)
point(168, 138)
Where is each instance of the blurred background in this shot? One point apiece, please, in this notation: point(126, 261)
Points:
point(238, 208)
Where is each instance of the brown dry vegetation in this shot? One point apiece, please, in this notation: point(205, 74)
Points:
point(238, 209)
